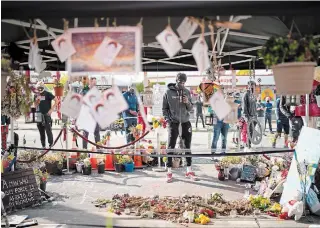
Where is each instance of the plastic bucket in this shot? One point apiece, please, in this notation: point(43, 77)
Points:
point(129, 167)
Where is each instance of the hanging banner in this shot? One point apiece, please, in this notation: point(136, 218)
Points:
point(121, 45)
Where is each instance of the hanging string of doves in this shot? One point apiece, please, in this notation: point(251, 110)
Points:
point(118, 49)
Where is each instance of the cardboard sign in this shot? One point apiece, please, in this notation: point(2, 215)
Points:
point(169, 42)
point(200, 54)
point(186, 29)
point(20, 189)
point(307, 150)
point(92, 98)
point(71, 105)
point(219, 105)
point(107, 51)
point(63, 46)
point(308, 145)
point(248, 173)
point(85, 120)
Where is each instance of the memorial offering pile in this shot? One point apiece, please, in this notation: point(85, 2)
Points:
point(187, 209)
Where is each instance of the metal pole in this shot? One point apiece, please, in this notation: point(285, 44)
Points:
point(307, 110)
point(65, 120)
point(159, 168)
point(12, 136)
point(158, 149)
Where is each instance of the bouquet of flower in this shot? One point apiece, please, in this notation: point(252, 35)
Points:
point(87, 162)
point(126, 159)
point(42, 176)
point(159, 122)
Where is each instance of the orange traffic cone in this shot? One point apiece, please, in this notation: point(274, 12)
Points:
point(138, 162)
point(93, 159)
point(109, 166)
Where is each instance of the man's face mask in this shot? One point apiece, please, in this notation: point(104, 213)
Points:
point(41, 89)
point(180, 84)
point(131, 90)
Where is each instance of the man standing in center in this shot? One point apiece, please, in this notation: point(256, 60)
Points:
point(176, 110)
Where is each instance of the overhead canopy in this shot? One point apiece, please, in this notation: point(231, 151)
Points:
point(235, 47)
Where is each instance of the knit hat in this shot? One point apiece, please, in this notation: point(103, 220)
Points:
point(181, 77)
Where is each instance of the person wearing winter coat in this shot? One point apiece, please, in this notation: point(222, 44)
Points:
point(176, 110)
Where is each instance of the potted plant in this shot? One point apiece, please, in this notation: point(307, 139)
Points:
point(79, 164)
point(58, 88)
point(293, 63)
point(128, 163)
point(54, 163)
point(86, 167)
point(41, 177)
point(317, 95)
point(119, 163)
point(101, 165)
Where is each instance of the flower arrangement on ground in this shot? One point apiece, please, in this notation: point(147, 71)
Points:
point(41, 178)
point(41, 175)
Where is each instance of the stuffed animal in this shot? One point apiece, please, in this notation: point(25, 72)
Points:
point(294, 207)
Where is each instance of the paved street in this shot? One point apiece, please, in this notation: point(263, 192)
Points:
point(74, 193)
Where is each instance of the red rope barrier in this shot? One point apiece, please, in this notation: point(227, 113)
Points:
point(44, 153)
point(112, 148)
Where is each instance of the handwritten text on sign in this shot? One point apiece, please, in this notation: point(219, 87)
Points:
point(20, 189)
point(249, 173)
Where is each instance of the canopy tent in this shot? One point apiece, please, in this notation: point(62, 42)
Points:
point(233, 47)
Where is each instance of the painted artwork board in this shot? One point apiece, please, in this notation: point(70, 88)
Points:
point(86, 41)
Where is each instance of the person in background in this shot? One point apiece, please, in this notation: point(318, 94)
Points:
point(260, 114)
point(296, 121)
point(176, 108)
point(92, 83)
point(268, 114)
point(249, 112)
point(282, 123)
point(199, 111)
point(220, 128)
point(131, 114)
point(43, 104)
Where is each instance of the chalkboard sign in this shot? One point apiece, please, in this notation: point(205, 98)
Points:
point(20, 188)
point(248, 173)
